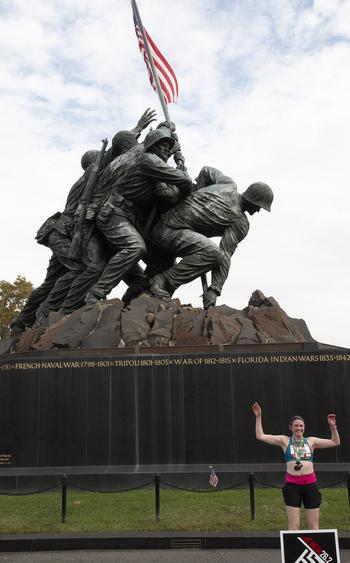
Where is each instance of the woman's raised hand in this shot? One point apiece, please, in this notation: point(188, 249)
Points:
point(256, 409)
point(331, 420)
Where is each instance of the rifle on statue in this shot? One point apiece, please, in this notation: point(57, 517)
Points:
point(75, 250)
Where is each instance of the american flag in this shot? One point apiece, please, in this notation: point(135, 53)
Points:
point(213, 478)
point(166, 75)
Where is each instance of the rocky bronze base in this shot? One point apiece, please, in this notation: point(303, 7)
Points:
point(152, 322)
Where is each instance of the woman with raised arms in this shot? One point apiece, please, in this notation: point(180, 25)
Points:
point(300, 479)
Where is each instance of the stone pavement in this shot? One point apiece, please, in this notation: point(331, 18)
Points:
point(153, 556)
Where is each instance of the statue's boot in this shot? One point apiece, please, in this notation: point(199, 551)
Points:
point(92, 298)
point(17, 327)
point(157, 288)
point(42, 321)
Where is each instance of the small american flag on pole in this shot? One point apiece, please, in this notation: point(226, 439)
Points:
point(166, 75)
point(213, 478)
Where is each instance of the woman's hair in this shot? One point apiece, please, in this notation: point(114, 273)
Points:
point(296, 417)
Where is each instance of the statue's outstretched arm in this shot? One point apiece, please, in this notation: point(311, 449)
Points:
point(145, 120)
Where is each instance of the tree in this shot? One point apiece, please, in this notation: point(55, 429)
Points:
point(12, 299)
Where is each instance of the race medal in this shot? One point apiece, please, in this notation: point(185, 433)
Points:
point(299, 450)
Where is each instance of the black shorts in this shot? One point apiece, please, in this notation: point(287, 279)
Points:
point(309, 495)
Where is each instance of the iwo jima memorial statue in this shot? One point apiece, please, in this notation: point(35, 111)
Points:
point(143, 380)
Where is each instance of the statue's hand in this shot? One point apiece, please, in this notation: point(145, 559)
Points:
point(209, 298)
point(180, 164)
point(90, 214)
point(179, 158)
point(146, 119)
point(168, 124)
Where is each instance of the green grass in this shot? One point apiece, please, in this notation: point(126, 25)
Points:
point(134, 511)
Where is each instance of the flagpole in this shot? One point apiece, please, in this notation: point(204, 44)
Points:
point(161, 99)
point(150, 59)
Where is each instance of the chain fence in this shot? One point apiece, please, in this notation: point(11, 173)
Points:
point(27, 493)
point(212, 490)
point(250, 481)
point(105, 491)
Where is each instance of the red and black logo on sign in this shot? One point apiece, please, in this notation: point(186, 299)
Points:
point(308, 546)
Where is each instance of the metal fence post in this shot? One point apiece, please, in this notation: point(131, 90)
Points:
point(157, 495)
point(64, 499)
point(252, 495)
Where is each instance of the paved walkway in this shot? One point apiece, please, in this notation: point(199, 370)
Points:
point(154, 556)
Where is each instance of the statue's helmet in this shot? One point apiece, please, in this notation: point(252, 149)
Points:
point(123, 141)
point(259, 194)
point(88, 158)
point(155, 136)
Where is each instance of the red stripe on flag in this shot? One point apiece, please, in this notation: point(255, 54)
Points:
point(213, 478)
point(157, 51)
point(165, 87)
point(168, 97)
point(166, 76)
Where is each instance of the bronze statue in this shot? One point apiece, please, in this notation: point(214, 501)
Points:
point(142, 182)
point(214, 209)
point(69, 278)
point(140, 208)
point(56, 233)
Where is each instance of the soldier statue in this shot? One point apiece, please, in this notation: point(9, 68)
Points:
point(215, 209)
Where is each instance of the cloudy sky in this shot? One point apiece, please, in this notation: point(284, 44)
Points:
point(264, 95)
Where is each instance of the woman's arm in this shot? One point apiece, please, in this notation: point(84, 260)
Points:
point(273, 440)
point(333, 441)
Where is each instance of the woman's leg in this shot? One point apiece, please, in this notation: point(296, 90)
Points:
point(312, 517)
point(292, 500)
point(312, 500)
point(293, 514)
